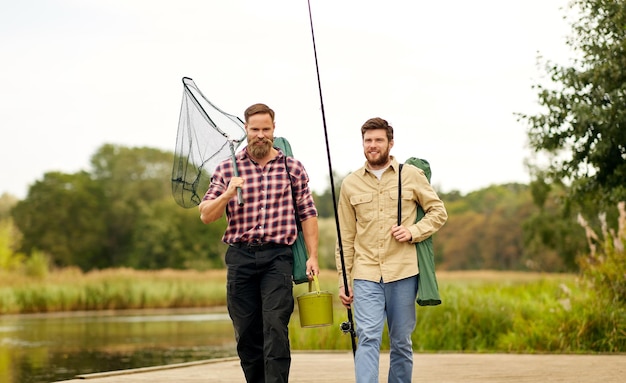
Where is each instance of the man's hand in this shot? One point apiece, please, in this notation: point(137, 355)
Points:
point(312, 267)
point(346, 300)
point(401, 233)
point(212, 209)
point(235, 182)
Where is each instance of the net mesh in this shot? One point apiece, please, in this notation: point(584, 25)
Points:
point(206, 136)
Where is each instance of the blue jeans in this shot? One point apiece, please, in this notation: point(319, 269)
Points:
point(373, 302)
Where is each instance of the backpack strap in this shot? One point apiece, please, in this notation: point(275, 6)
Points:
point(293, 197)
point(400, 195)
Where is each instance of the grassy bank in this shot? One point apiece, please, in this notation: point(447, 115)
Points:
point(114, 289)
point(481, 311)
point(494, 312)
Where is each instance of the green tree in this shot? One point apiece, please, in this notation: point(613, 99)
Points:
point(63, 215)
point(120, 214)
point(130, 179)
point(552, 238)
point(456, 245)
point(484, 229)
point(166, 235)
point(9, 259)
point(582, 127)
point(9, 235)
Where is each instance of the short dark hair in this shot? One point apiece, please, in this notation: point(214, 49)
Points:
point(377, 123)
point(258, 109)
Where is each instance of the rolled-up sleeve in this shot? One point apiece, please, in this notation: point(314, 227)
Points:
point(435, 212)
point(304, 197)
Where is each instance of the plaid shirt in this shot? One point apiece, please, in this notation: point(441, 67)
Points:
point(267, 214)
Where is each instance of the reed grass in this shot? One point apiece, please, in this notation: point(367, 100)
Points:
point(482, 311)
point(113, 289)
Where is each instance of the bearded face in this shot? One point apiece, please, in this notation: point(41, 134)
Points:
point(376, 148)
point(260, 135)
point(378, 157)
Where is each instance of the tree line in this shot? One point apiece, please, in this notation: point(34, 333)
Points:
point(121, 214)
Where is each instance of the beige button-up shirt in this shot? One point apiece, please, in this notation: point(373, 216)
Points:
point(367, 210)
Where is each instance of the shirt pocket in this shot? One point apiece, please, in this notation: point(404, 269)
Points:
point(363, 205)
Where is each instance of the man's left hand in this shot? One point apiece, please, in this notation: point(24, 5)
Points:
point(401, 233)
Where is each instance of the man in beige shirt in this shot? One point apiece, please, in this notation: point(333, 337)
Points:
point(379, 255)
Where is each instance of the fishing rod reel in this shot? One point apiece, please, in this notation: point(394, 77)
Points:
point(346, 327)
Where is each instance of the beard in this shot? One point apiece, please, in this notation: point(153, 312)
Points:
point(381, 160)
point(260, 151)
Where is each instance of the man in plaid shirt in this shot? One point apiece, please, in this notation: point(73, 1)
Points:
point(259, 234)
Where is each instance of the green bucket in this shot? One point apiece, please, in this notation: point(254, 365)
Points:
point(315, 307)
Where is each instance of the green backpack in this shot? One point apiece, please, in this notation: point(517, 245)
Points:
point(428, 288)
point(300, 254)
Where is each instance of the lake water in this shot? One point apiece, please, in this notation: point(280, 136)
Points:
point(44, 348)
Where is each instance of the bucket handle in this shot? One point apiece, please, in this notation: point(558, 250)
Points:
point(317, 285)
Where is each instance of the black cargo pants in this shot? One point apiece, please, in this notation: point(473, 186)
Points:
point(260, 303)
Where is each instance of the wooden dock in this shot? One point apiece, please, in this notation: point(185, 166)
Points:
point(338, 367)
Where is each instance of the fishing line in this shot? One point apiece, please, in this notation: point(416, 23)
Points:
point(346, 327)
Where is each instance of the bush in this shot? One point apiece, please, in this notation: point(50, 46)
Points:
point(605, 265)
point(604, 269)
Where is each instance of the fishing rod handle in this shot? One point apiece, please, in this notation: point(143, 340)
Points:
point(239, 196)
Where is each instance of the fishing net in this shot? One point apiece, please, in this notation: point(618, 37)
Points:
point(206, 136)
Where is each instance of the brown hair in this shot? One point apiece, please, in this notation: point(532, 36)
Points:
point(258, 109)
point(377, 123)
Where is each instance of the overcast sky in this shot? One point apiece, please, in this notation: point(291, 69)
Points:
point(447, 75)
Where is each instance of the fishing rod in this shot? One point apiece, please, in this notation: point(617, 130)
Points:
point(348, 326)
